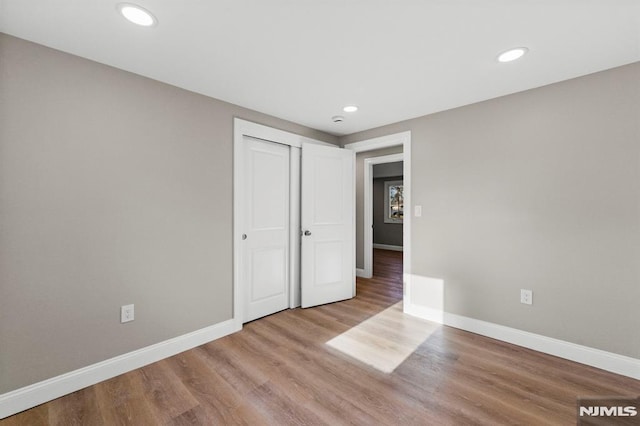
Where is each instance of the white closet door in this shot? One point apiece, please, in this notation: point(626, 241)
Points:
point(265, 251)
point(328, 207)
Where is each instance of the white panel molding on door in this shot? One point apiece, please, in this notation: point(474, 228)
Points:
point(328, 224)
point(241, 129)
point(265, 240)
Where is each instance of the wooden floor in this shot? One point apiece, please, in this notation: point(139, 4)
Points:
point(280, 370)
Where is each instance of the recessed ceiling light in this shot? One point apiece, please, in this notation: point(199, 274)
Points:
point(136, 14)
point(350, 108)
point(512, 54)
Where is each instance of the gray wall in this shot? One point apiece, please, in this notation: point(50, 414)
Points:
point(360, 157)
point(388, 169)
point(114, 189)
point(384, 233)
point(537, 190)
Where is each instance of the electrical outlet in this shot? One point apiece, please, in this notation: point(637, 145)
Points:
point(417, 211)
point(526, 297)
point(126, 313)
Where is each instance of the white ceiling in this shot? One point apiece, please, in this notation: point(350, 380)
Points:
point(303, 60)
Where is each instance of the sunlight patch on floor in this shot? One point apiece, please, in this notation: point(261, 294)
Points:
point(385, 340)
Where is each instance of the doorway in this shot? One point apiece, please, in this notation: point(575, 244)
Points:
point(377, 205)
point(400, 139)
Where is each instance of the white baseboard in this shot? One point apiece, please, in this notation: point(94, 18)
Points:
point(388, 247)
point(362, 273)
point(604, 360)
point(29, 396)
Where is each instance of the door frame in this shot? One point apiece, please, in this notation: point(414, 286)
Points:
point(242, 128)
point(368, 207)
point(404, 139)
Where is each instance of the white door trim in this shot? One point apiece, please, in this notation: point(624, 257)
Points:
point(242, 128)
point(368, 207)
point(404, 139)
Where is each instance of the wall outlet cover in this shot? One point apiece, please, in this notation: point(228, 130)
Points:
point(126, 313)
point(526, 297)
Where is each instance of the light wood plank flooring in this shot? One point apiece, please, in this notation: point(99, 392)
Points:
point(279, 370)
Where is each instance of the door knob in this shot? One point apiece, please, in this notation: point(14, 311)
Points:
point(307, 232)
point(244, 236)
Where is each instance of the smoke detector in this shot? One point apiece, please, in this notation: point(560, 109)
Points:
point(337, 119)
